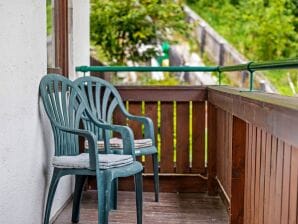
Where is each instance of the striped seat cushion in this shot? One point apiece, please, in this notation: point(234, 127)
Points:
point(105, 161)
point(117, 143)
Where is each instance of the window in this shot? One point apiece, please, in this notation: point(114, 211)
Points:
point(57, 36)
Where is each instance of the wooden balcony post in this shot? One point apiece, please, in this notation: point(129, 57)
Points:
point(61, 35)
point(212, 145)
point(238, 170)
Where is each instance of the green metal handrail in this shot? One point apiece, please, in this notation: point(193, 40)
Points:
point(146, 69)
point(251, 67)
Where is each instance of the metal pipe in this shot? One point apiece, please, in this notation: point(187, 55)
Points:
point(146, 69)
point(251, 66)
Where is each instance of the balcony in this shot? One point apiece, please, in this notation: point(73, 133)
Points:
point(231, 155)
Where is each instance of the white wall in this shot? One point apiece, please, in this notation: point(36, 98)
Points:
point(26, 143)
point(80, 35)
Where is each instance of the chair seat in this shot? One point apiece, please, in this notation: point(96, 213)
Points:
point(140, 151)
point(117, 143)
point(105, 161)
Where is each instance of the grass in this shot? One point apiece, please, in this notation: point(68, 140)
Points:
point(221, 19)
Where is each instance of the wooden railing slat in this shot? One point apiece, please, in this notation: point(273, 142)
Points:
point(220, 141)
point(278, 181)
point(250, 173)
point(198, 137)
point(166, 132)
point(253, 170)
point(120, 119)
point(267, 176)
point(229, 152)
point(182, 147)
point(286, 184)
point(272, 179)
point(238, 170)
point(293, 217)
point(247, 209)
point(257, 179)
point(135, 108)
point(262, 176)
point(212, 148)
point(151, 111)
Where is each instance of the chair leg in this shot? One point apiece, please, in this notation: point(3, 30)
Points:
point(103, 195)
point(77, 196)
point(114, 194)
point(156, 179)
point(51, 194)
point(139, 196)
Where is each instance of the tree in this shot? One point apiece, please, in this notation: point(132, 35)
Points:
point(120, 28)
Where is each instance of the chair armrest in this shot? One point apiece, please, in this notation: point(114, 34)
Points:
point(91, 138)
point(148, 124)
point(125, 132)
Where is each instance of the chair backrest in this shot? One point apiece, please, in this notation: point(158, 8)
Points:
point(102, 99)
point(64, 106)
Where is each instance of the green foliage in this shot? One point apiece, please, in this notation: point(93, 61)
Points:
point(260, 29)
point(169, 80)
point(121, 27)
point(49, 17)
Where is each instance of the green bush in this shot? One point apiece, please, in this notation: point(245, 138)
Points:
point(121, 27)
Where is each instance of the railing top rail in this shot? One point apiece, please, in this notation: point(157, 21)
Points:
point(251, 66)
point(146, 69)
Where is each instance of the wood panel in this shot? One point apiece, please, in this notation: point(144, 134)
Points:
point(159, 101)
point(61, 35)
point(277, 114)
point(293, 211)
point(198, 137)
point(196, 209)
point(271, 186)
point(268, 152)
point(270, 189)
point(272, 180)
point(168, 183)
point(212, 149)
point(224, 150)
point(163, 93)
point(257, 174)
point(238, 170)
point(151, 111)
point(167, 134)
point(120, 119)
point(182, 138)
point(135, 108)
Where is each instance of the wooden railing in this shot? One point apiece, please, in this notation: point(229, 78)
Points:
point(178, 114)
point(255, 157)
point(252, 144)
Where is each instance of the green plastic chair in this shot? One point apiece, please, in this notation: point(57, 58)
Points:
point(103, 98)
point(65, 107)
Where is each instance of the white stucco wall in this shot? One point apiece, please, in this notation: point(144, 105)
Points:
point(80, 35)
point(26, 143)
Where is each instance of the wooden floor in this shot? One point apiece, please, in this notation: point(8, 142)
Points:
point(186, 208)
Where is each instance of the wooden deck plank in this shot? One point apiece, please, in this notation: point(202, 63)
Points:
point(173, 208)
